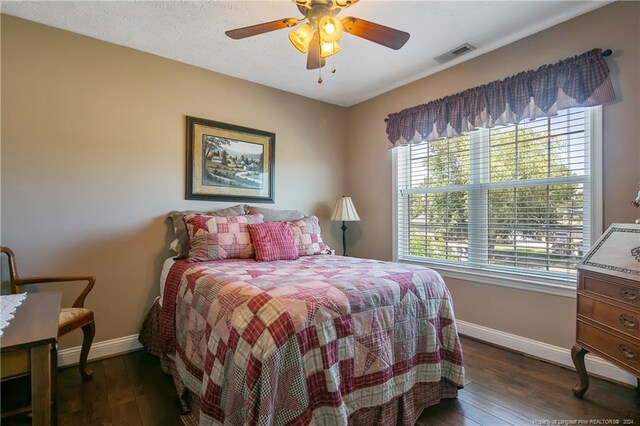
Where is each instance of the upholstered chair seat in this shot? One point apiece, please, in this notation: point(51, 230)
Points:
point(72, 318)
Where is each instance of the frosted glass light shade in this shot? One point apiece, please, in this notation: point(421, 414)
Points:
point(301, 37)
point(328, 49)
point(330, 29)
point(344, 210)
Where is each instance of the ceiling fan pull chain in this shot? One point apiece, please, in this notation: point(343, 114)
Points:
point(319, 58)
point(333, 62)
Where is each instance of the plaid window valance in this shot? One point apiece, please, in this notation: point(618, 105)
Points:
point(579, 81)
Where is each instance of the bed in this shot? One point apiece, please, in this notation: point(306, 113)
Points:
point(323, 339)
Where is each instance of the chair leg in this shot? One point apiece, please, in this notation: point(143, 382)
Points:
point(89, 331)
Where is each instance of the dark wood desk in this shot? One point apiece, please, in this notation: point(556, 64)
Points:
point(28, 346)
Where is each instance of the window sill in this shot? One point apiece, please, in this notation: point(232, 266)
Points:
point(539, 285)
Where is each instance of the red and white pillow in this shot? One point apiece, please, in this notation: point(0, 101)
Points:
point(215, 238)
point(273, 241)
point(306, 234)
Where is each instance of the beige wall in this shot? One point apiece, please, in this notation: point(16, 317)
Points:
point(93, 153)
point(93, 158)
point(537, 316)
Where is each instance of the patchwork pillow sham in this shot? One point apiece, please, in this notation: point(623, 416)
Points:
point(182, 248)
point(215, 238)
point(306, 234)
point(273, 241)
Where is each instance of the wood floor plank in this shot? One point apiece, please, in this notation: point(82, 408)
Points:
point(512, 403)
point(616, 397)
point(70, 419)
point(154, 391)
point(478, 414)
point(69, 401)
point(126, 414)
point(504, 376)
point(505, 388)
point(471, 396)
point(96, 409)
point(475, 347)
point(562, 400)
point(444, 414)
point(546, 375)
point(118, 386)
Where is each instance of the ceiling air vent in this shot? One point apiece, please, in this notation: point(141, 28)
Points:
point(454, 53)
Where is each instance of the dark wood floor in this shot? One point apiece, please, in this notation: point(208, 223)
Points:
point(504, 388)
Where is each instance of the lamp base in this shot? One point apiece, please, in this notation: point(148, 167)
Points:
point(344, 238)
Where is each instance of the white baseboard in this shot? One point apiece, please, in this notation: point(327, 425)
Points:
point(543, 351)
point(531, 347)
point(102, 349)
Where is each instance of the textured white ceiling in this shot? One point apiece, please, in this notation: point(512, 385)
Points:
point(193, 33)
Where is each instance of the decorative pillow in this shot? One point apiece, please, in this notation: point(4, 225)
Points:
point(214, 238)
point(306, 234)
point(273, 241)
point(274, 215)
point(181, 231)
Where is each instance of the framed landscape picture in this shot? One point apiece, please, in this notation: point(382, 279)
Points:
point(229, 163)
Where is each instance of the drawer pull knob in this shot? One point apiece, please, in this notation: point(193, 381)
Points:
point(629, 293)
point(628, 353)
point(628, 322)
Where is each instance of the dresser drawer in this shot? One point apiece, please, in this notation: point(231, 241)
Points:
point(622, 293)
point(624, 320)
point(624, 351)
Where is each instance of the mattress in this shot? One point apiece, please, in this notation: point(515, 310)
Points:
point(166, 267)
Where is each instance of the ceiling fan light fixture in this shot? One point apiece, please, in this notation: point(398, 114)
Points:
point(328, 49)
point(318, 30)
point(330, 29)
point(301, 37)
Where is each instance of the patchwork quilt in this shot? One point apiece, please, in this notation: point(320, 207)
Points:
point(312, 340)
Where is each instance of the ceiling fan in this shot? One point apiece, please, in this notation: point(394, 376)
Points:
point(320, 30)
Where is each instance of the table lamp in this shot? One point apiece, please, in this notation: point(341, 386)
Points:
point(344, 211)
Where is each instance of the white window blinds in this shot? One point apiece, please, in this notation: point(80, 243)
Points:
point(512, 199)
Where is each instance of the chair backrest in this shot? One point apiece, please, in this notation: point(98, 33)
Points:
point(13, 271)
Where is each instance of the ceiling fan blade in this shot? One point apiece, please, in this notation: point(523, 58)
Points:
point(265, 27)
point(314, 61)
point(389, 37)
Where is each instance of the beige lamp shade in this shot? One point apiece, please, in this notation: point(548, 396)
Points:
point(345, 210)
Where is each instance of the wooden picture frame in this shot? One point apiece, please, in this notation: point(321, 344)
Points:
point(226, 162)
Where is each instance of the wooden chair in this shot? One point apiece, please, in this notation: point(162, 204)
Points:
point(70, 318)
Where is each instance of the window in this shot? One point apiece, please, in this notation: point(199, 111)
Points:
point(512, 201)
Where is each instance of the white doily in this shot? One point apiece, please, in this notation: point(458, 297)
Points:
point(9, 304)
